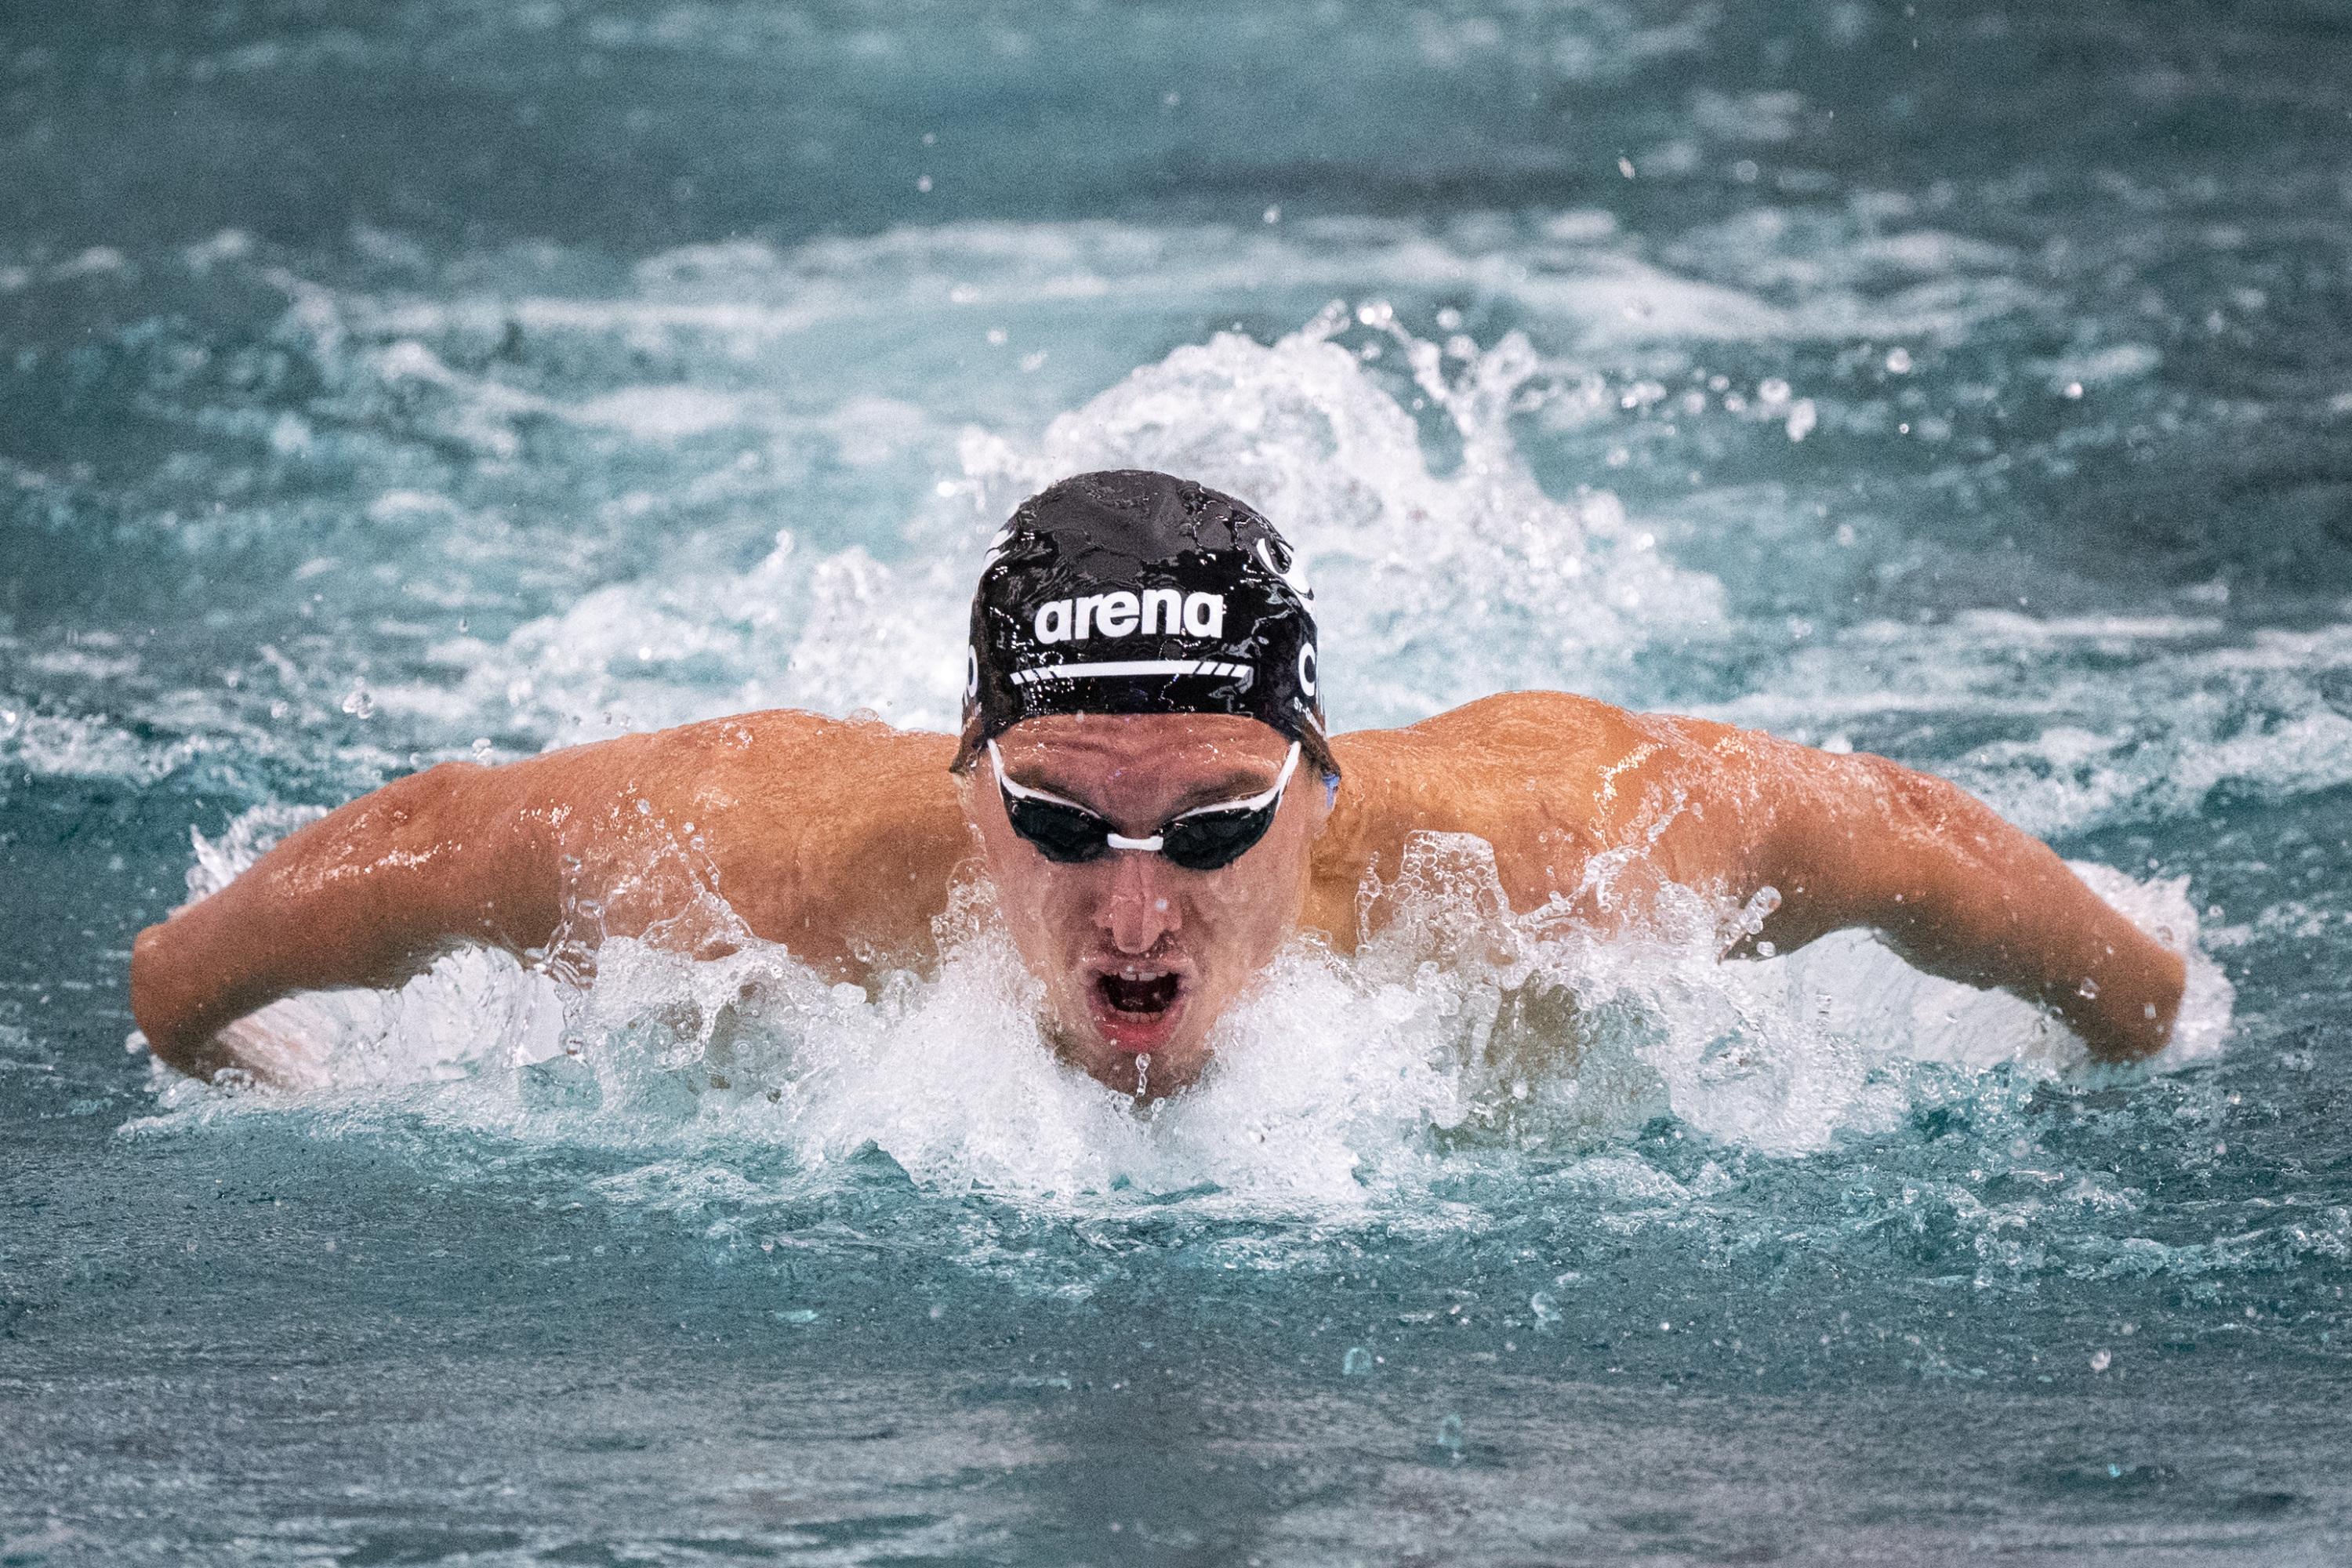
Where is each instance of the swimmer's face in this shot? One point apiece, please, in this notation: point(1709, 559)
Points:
point(1140, 956)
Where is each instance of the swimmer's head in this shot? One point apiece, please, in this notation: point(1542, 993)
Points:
point(1144, 758)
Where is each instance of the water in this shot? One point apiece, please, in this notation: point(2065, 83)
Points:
point(383, 384)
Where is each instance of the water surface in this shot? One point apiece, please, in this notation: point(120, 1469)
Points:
point(1967, 384)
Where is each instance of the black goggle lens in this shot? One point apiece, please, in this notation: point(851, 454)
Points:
point(1062, 833)
point(1217, 838)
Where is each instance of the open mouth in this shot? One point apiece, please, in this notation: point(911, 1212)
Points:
point(1138, 1005)
point(1141, 995)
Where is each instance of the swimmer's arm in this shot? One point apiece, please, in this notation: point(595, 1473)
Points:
point(369, 895)
point(1857, 840)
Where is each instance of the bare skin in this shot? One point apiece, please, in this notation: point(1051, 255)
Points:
point(843, 841)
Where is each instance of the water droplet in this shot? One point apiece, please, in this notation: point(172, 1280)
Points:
point(481, 748)
point(2102, 1358)
point(1625, 167)
point(797, 1315)
point(1546, 1307)
point(1898, 362)
point(1449, 1437)
point(1765, 950)
point(1356, 1363)
point(2089, 990)
point(360, 703)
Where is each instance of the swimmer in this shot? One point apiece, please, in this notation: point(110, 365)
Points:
point(1145, 799)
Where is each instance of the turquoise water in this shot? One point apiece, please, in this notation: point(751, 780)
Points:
point(383, 384)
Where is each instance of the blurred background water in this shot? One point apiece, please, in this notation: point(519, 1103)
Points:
point(1960, 381)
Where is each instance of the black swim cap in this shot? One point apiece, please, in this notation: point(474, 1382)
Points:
point(1131, 592)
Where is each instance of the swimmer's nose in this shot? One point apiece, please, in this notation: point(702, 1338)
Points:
point(1140, 909)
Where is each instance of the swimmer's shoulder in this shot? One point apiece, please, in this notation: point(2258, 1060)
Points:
point(831, 835)
point(823, 784)
point(1547, 778)
point(781, 760)
point(1495, 742)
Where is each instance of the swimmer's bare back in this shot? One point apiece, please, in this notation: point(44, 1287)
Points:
point(843, 841)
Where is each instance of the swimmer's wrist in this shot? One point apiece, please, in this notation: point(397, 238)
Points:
point(183, 993)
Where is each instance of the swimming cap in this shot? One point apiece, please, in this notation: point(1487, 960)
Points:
point(1129, 592)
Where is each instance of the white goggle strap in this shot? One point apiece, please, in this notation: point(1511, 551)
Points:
point(1151, 844)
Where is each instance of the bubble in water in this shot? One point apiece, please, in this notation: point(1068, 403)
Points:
point(2102, 1358)
point(1449, 1437)
point(1546, 1307)
point(2089, 990)
point(359, 702)
point(1356, 1363)
point(797, 1315)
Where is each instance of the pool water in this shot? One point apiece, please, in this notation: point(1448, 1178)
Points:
point(1968, 384)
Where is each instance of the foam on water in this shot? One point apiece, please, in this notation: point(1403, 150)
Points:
point(1441, 579)
point(2111, 720)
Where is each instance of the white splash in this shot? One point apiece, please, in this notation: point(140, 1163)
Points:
point(1339, 1083)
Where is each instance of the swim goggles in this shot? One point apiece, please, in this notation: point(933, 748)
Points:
point(1202, 840)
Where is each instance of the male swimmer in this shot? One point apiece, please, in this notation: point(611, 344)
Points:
point(1145, 795)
